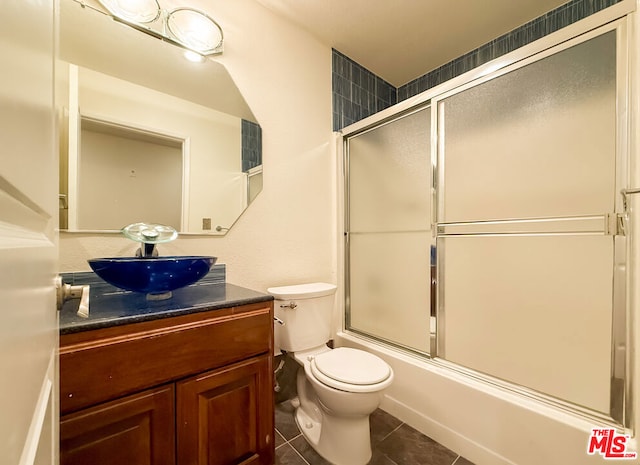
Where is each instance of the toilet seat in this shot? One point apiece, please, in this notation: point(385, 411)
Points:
point(351, 370)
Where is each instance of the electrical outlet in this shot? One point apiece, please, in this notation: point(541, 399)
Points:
point(206, 224)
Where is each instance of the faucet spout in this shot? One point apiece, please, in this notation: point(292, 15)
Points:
point(147, 250)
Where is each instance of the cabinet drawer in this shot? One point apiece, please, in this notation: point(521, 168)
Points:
point(105, 364)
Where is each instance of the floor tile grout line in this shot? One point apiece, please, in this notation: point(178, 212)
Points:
point(283, 438)
point(288, 442)
point(394, 430)
point(393, 462)
point(298, 452)
point(375, 447)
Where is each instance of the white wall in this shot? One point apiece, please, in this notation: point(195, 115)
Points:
point(287, 234)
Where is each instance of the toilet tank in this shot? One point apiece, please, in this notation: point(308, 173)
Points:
point(306, 311)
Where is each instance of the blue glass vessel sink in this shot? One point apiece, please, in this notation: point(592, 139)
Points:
point(153, 276)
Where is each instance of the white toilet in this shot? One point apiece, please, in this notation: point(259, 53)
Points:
point(337, 388)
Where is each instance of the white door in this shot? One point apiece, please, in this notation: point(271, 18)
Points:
point(28, 234)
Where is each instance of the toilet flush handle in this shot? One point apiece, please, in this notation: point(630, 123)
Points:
point(292, 305)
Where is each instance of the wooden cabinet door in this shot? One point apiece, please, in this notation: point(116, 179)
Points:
point(137, 429)
point(225, 416)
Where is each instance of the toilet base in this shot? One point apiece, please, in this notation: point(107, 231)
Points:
point(341, 441)
point(309, 427)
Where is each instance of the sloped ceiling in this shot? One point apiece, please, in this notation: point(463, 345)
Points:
point(400, 40)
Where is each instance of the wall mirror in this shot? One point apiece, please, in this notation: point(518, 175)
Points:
point(150, 136)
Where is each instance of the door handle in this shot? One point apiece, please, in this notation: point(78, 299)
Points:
point(66, 292)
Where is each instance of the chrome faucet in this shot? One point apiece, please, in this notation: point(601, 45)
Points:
point(149, 235)
point(148, 249)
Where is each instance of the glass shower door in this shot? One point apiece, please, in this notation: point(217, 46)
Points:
point(528, 252)
point(388, 235)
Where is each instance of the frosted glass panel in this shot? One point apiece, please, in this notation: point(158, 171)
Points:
point(533, 310)
point(537, 142)
point(389, 231)
point(390, 281)
point(389, 169)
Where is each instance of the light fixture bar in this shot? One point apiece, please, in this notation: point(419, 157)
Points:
point(184, 27)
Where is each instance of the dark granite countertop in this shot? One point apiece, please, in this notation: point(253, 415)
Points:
point(110, 306)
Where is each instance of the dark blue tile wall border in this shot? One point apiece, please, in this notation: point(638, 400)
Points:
point(251, 145)
point(346, 105)
point(357, 92)
point(562, 16)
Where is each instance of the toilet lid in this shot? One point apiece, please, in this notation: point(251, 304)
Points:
point(352, 366)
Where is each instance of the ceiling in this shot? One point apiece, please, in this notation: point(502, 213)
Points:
point(400, 40)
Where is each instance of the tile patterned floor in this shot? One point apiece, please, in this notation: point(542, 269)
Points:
point(393, 443)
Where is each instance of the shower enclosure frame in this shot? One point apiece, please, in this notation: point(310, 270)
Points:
point(609, 223)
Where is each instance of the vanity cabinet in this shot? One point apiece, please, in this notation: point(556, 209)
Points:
point(186, 390)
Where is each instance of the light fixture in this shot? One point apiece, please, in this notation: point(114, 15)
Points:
point(195, 30)
point(186, 27)
point(135, 11)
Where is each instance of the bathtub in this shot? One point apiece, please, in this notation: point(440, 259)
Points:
point(485, 423)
